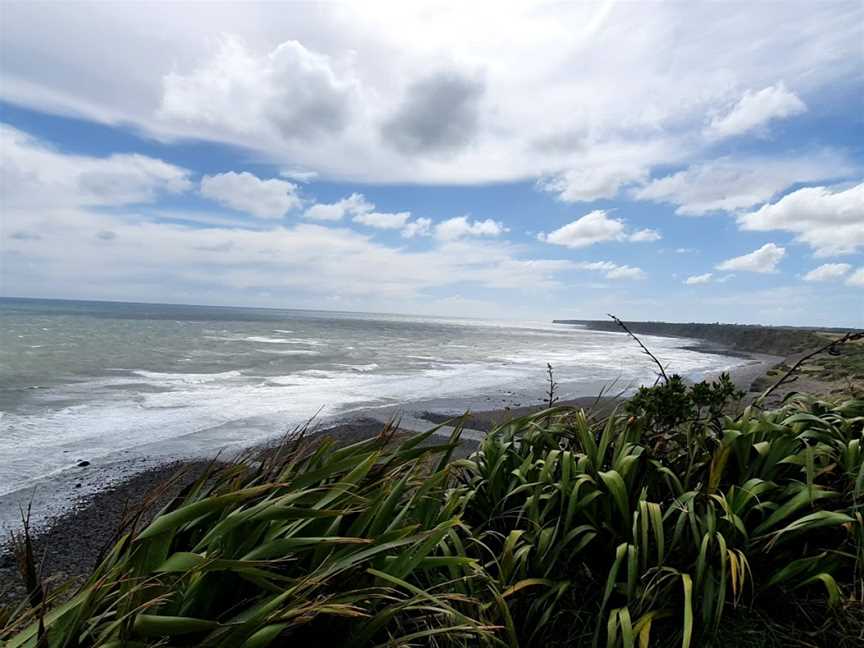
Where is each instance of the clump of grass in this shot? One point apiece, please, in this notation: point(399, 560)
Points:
point(558, 528)
point(340, 544)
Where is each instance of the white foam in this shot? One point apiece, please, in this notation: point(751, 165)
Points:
point(112, 415)
point(372, 366)
point(160, 377)
point(281, 340)
point(200, 402)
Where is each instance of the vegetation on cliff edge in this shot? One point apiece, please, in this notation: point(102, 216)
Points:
point(700, 529)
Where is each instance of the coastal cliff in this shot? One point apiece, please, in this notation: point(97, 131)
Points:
point(772, 340)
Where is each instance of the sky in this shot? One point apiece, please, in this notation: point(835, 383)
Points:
point(664, 161)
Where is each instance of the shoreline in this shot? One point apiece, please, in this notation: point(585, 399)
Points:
point(742, 375)
point(76, 527)
point(61, 490)
point(748, 338)
point(55, 493)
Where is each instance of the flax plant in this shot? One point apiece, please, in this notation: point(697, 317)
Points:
point(560, 529)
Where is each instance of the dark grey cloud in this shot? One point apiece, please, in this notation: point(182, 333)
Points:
point(568, 141)
point(439, 114)
point(307, 112)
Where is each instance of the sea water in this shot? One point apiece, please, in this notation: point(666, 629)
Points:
point(83, 380)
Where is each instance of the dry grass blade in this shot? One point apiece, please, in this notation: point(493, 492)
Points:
point(645, 349)
point(22, 545)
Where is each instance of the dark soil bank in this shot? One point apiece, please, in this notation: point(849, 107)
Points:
point(488, 419)
point(772, 340)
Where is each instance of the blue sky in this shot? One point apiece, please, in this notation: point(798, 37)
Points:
point(677, 161)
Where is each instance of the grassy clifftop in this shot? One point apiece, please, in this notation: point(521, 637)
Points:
point(772, 340)
point(670, 525)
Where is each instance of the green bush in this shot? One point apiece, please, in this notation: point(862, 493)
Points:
point(672, 403)
point(682, 529)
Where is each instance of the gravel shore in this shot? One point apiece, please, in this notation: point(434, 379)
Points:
point(72, 542)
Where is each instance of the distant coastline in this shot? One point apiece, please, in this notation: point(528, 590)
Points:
point(750, 338)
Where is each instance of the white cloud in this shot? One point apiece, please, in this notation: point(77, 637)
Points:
point(596, 227)
point(644, 236)
point(417, 227)
point(829, 220)
point(33, 174)
point(594, 182)
point(593, 227)
point(601, 168)
point(294, 92)
point(828, 271)
point(381, 220)
point(625, 272)
point(299, 175)
point(699, 279)
point(611, 270)
point(729, 184)
point(250, 194)
point(362, 211)
point(64, 245)
point(856, 278)
point(755, 109)
point(763, 260)
point(460, 227)
point(329, 88)
point(158, 258)
point(353, 205)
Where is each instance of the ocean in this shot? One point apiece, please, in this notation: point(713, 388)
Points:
point(89, 380)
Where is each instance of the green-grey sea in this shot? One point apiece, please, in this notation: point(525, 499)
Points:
point(88, 379)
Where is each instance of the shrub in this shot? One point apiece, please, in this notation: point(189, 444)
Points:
point(559, 530)
point(671, 403)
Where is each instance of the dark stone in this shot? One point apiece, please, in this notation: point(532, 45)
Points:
point(83, 464)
